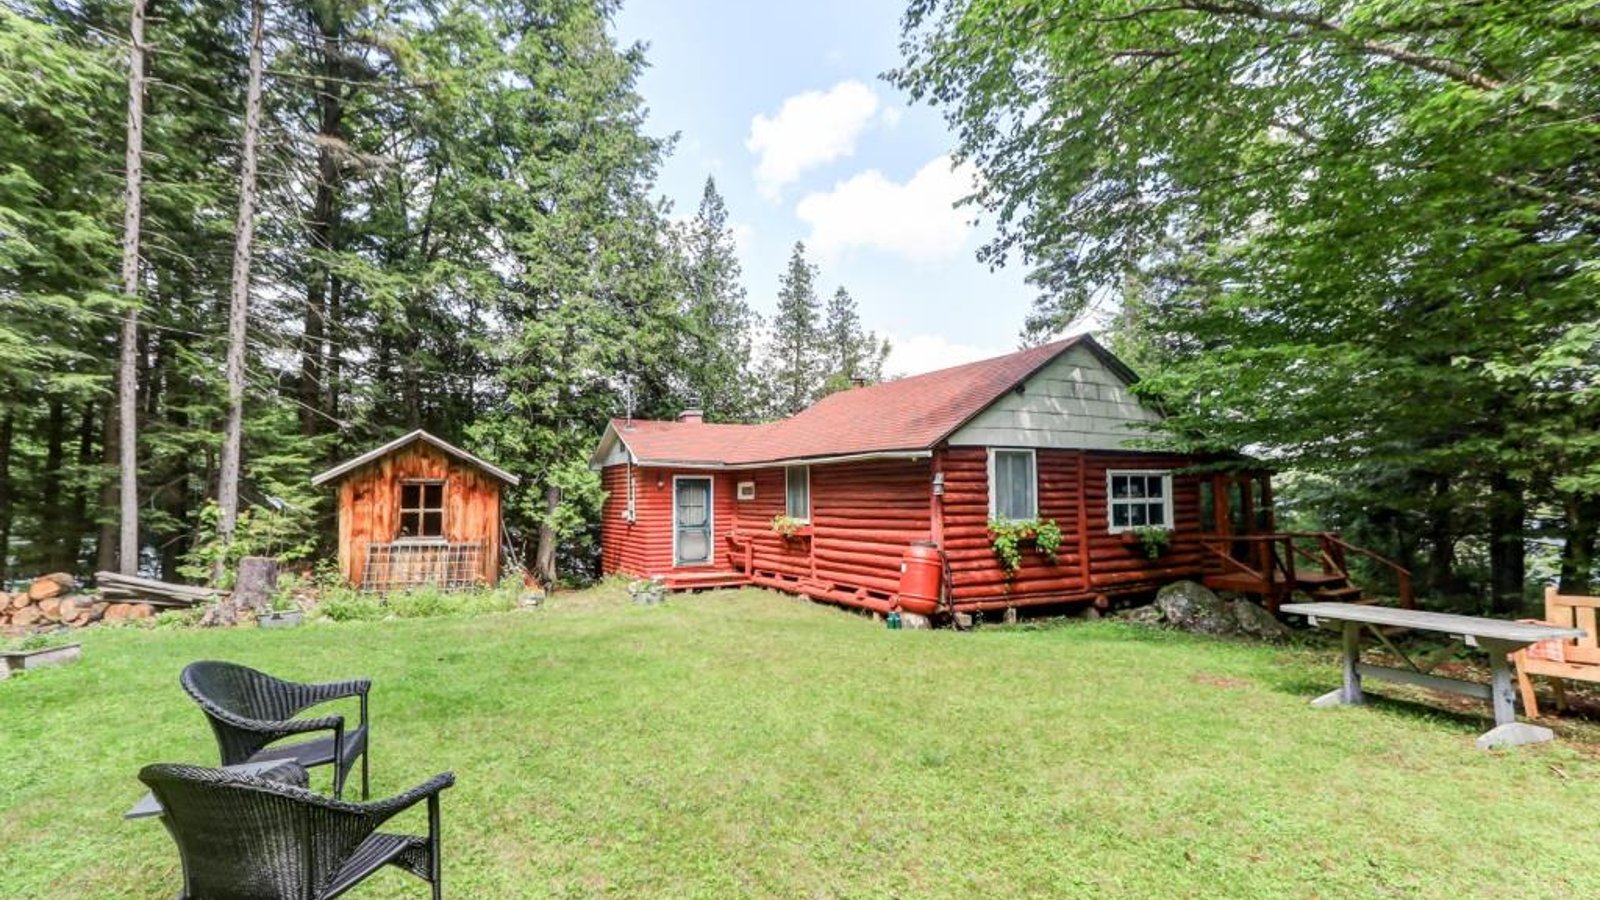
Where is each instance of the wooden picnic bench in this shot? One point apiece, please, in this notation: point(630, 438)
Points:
point(1496, 637)
point(1574, 658)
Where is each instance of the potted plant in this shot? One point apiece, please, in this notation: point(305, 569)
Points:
point(38, 651)
point(790, 528)
point(1008, 538)
point(1153, 538)
point(283, 613)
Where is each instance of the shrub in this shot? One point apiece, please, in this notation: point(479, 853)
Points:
point(347, 605)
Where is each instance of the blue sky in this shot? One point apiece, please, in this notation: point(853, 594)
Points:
point(781, 102)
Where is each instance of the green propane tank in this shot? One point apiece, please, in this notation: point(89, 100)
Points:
point(893, 620)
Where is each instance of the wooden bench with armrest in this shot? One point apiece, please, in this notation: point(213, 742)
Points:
point(1577, 659)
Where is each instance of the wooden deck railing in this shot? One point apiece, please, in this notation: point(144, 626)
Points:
point(1270, 559)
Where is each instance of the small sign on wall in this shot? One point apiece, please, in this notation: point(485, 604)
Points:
point(747, 490)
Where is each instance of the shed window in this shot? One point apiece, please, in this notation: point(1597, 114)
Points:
point(1013, 486)
point(797, 493)
point(1139, 499)
point(422, 509)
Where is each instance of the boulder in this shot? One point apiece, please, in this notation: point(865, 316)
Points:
point(53, 585)
point(1142, 615)
point(1254, 621)
point(1193, 607)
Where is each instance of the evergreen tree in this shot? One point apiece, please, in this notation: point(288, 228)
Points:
point(794, 370)
point(852, 355)
point(719, 325)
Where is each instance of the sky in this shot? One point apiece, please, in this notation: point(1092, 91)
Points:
point(782, 103)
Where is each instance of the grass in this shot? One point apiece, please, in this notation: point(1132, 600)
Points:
point(742, 743)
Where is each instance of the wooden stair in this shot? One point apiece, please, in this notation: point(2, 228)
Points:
point(705, 580)
point(1272, 572)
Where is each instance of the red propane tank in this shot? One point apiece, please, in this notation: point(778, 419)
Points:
point(921, 573)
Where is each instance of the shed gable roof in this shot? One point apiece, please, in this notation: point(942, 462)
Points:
point(906, 415)
point(448, 448)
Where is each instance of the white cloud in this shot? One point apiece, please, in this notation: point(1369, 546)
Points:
point(917, 219)
point(927, 352)
point(810, 129)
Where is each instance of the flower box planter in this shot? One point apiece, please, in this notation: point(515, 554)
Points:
point(25, 660)
point(280, 619)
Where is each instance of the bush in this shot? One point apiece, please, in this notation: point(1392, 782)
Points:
point(347, 605)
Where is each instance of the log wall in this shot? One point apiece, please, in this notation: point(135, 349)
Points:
point(1072, 491)
point(369, 506)
point(644, 547)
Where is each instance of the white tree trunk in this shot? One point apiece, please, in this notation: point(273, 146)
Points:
point(128, 362)
point(239, 301)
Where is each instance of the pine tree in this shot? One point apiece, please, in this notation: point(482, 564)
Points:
point(719, 325)
point(852, 355)
point(794, 372)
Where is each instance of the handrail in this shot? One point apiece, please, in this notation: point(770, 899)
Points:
point(1206, 544)
point(1402, 574)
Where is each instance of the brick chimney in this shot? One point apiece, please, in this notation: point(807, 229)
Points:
point(692, 416)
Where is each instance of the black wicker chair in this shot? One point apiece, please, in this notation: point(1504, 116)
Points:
point(250, 709)
point(246, 838)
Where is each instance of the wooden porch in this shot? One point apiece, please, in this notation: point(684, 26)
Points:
point(1275, 564)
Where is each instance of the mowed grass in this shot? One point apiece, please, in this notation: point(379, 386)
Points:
point(747, 744)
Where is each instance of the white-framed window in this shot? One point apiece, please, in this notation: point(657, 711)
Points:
point(1013, 485)
point(422, 509)
point(630, 512)
point(747, 490)
point(797, 492)
point(1138, 498)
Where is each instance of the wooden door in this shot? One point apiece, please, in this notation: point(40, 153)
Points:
point(691, 520)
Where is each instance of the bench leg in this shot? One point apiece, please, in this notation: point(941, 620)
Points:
point(1507, 731)
point(1350, 693)
point(1530, 703)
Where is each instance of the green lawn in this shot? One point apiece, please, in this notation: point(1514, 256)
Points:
point(744, 743)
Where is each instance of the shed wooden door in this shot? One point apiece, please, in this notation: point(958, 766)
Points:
point(691, 520)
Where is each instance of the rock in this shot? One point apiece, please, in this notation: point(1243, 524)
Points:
point(1009, 617)
point(963, 621)
point(53, 585)
point(914, 622)
point(1193, 607)
point(1142, 615)
point(1256, 622)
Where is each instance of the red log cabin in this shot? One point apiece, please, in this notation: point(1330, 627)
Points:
point(418, 511)
point(874, 485)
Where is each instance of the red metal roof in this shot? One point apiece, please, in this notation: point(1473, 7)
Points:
point(904, 415)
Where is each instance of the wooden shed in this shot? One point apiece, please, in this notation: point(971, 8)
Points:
point(866, 479)
point(418, 511)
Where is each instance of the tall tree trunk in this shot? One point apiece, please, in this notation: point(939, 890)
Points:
point(82, 523)
point(106, 544)
point(239, 300)
point(324, 214)
point(7, 428)
point(1507, 557)
point(544, 560)
point(1582, 529)
point(1441, 542)
point(128, 362)
point(52, 533)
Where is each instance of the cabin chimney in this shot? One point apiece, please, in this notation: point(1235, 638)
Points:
point(692, 415)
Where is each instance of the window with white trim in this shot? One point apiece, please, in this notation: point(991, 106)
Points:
point(1138, 499)
point(1013, 486)
point(797, 493)
point(422, 510)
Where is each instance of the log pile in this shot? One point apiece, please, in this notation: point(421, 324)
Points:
point(127, 588)
point(49, 602)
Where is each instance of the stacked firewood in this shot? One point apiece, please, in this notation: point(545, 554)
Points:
point(50, 601)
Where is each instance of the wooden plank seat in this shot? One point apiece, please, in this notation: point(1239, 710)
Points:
point(1577, 659)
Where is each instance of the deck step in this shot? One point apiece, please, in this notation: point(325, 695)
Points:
point(1344, 594)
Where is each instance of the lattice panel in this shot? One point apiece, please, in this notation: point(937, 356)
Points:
point(403, 565)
